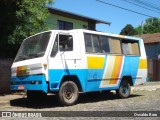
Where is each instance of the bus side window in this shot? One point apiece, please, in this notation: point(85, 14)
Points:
point(130, 47)
point(115, 45)
point(105, 44)
point(92, 43)
point(96, 44)
point(88, 43)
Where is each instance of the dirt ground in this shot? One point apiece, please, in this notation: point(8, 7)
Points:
point(143, 98)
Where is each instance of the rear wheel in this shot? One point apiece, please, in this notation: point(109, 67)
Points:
point(124, 89)
point(68, 93)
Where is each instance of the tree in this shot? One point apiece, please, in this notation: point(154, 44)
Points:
point(7, 24)
point(19, 19)
point(128, 30)
point(152, 25)
point(138, 30)
point(31, 16)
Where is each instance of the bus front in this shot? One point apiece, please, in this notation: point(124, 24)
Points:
point(29, 69)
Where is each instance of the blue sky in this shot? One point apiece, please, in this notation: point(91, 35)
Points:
point(118, 17)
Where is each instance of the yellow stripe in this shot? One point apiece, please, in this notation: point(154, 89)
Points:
point(143, 64)
point(95, 62)
point(109, 69)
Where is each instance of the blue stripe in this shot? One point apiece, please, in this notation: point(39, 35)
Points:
point(130, 67)
point(27, 83)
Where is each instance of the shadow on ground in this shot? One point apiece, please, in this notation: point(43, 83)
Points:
point(51, 101)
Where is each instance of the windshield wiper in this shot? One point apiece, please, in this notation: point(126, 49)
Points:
point(21, 57)
point(36, 54)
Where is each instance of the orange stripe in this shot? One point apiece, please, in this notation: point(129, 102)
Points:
point(21, 69)
point(116, 70)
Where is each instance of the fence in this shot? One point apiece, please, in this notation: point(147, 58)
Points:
point(154, 69)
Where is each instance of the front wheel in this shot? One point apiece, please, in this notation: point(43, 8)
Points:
point(124, 89)
point(68, 93)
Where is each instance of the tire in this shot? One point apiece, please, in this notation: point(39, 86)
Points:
point(124, 89)
point(68, 93)
point(36, 95)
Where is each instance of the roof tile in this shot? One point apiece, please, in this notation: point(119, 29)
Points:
point(150, 38)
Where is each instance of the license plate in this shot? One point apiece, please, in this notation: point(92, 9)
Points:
point(21, 87)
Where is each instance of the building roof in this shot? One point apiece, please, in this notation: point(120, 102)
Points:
point(150, 38)
point(75, 16)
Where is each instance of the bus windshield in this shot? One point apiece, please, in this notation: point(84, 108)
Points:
point(33, 47)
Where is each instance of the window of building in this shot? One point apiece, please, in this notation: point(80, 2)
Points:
point(63, 25)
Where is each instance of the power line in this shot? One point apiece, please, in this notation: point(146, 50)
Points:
point(148, 4)
point(123, 8)
point(140, 6)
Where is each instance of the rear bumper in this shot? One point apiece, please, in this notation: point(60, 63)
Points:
point(32, 82)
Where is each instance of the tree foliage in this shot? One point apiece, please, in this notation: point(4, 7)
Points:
point(152, 25)
point(7, 24)
point(19, 19)
point(128, 30)
point(31, 16)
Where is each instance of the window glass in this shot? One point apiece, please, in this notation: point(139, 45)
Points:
point(130, 47)
point(115, 45)
point(55, 47)
point(65, 43)
point(33, 47)
point(104, 44)
point(88, 42)
point(63, 25)
point(96, 44)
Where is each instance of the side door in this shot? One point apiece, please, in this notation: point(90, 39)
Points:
point(62, 59)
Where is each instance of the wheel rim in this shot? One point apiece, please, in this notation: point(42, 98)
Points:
point(125, 89)
point(69, 92)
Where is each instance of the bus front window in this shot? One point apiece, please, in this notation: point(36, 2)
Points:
point(33, 47)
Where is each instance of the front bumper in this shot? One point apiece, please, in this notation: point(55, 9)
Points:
point(31, 82)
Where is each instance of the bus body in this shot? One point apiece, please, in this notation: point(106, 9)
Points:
point(73, 61)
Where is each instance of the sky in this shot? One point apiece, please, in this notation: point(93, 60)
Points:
point(119, 18)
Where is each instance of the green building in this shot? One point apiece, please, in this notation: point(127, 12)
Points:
point(64, 20)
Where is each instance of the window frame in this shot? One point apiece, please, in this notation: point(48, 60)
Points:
point(65, 23)
point(131, 41)
point(110, 38)
point(58, 44)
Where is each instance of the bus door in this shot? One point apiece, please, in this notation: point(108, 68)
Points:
point(62, 59)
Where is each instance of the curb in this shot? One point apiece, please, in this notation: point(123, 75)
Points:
point(143, 87)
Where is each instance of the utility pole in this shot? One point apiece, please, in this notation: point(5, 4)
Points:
point(141, 28)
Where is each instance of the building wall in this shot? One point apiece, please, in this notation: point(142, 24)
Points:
point(51, 22)
point(152, 50)
point(5, 73)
